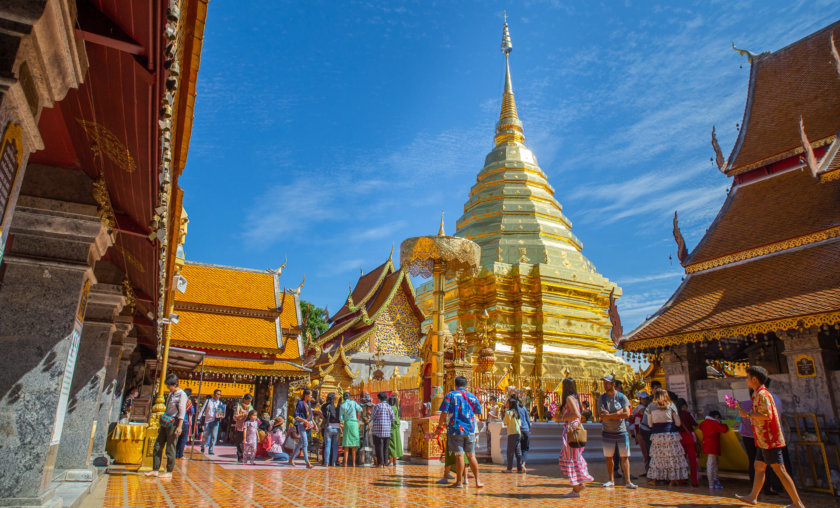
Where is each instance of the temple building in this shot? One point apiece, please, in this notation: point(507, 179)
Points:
point(546, 299)
point(763, 284)
point(96, 111)
point(249, 328)
point(375, 335)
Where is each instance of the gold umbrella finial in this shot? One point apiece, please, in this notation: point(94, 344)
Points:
point(509, 127)
point(441, 231)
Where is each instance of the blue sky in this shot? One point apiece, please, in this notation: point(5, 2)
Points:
point(328, 131)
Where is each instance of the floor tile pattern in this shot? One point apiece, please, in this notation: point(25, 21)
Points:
point(218, 481)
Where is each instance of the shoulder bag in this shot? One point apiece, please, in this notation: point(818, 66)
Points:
point(576, 435)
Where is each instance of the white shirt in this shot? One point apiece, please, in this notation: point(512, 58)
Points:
point(209, 410)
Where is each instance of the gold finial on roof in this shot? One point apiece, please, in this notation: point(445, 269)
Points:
point(440, 231)
point(391, 254)
point(750, 55)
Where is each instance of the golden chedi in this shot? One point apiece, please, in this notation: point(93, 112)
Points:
point(547, 303)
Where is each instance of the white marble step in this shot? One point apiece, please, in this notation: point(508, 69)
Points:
point(546, 439)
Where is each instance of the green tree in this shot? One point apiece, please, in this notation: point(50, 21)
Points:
point(316, 323)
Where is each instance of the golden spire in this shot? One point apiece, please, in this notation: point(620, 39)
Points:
point(509, 128)
point(441, 232)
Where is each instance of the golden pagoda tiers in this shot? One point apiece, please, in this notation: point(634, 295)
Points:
point(375, 335)
point(548, 303)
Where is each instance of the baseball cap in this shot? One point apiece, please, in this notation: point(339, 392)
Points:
point(643, 395)
point(609, 378)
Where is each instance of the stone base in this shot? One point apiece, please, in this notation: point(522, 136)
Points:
point(71, 494)
point(76, 475)
point(546, 442)
point(46, 500)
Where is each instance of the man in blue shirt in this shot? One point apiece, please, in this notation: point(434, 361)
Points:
point(460, 408)
point(524, 433)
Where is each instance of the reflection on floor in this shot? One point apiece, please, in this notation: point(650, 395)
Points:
point(219, 481)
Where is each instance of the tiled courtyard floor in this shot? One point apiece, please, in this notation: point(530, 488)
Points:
point(219, 481)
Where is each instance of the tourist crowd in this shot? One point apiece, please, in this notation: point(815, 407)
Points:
point(661, 423)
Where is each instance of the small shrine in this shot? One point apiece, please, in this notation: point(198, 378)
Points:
point(250, 330)
point(375, 336)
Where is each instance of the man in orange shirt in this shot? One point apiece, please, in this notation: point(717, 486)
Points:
point(769, 440)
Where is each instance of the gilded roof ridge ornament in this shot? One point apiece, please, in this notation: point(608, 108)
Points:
point(350, 304)
point(835, 55)
point(682, 252)
point(749, 54)
point(719, 159)
point(810, 158)
point(278, 271)
point(299, 288)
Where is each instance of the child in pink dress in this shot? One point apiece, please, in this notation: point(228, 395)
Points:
point(249, 438)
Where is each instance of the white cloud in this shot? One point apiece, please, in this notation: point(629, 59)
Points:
point(649, 278)
point(382, 231)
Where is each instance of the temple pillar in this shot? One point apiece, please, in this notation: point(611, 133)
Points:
point(682, 366)
point(111, 396)
point(48, 271)
point(122, 379)
point(280, 399)
point(809, 362)
point(104, 303)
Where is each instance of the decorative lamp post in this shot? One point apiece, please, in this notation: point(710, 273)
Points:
point(440, 257)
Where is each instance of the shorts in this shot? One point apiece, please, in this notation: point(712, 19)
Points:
point(462, 444)
point(623, 444)
point(769, 455)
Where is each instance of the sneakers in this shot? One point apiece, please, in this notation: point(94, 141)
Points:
point(202, 449)
point(609, 485)
point(442, 481)
point(631, 485)
point(717, 485)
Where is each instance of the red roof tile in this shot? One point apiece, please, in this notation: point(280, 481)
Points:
point(788, 284)
point(800, 79)
point(780, 207)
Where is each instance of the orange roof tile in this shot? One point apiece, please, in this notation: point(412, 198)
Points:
point(228, 287)
point(230, 333)
point(789, 284)
point(799, 79)
point(254, 367)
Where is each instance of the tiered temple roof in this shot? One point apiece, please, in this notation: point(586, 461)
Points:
point(242, 319)
point(798, 80)
point(380, 314)
point(769, 261)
